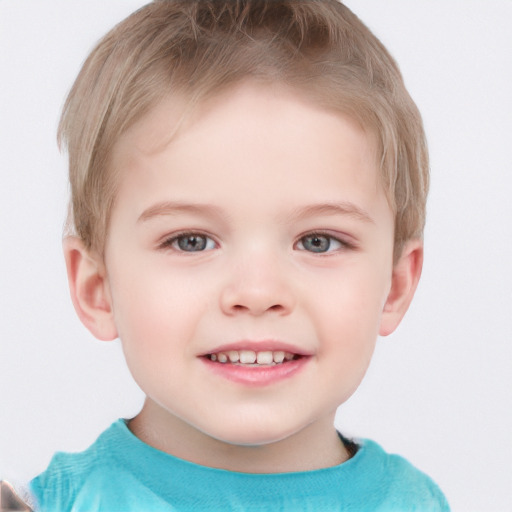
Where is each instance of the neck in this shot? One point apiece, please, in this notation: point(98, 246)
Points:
point(316, 446)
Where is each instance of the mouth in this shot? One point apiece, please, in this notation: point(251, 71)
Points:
point(256, 364)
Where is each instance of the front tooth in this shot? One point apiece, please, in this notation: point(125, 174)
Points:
point(264, 357)
point(222, 358)
point(278, 356)
point(234, 356)
point(247, 356)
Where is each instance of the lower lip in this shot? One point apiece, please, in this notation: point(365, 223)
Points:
point(257, 375)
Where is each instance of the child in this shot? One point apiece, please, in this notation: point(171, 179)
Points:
point(248, 199)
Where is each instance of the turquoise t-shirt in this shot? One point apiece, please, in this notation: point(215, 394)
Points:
point(121, 473)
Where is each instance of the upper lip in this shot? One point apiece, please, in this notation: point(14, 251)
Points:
point(259, 346)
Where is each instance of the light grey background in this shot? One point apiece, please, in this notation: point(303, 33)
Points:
point(439, 389)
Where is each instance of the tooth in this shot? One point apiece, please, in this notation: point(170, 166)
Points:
point(288, 356)
point(264, 357)
point(213, 357)
point(247, 356)
point(234, 356)
point(223, 358)
point(278, 356)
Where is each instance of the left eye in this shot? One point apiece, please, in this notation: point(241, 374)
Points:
point(319, 243)
point(191, 242)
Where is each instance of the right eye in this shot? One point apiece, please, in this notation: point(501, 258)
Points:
point(190, 242)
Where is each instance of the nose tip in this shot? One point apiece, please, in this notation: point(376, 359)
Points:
point(257, 292)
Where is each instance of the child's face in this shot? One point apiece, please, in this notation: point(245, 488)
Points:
point(261, 226)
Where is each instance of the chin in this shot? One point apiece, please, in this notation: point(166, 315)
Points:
point(249, 434)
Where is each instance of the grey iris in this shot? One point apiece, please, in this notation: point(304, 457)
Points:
point(316, 243)
point(192, 243)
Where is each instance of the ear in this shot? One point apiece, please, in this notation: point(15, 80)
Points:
point(404, 280)
point(89, 289)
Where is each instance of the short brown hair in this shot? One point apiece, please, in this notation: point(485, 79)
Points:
point(195, 48)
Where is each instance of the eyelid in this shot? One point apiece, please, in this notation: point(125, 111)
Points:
point(345, 243)
point(166, 243)
point(168, 240)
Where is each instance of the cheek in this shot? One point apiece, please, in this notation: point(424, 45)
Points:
point(153, 311)
point(347, 342)
point(357, 292)
point(349, 316)
point(155, 323)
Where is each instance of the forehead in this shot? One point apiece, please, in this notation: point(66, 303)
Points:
point(243, 133)
point(249, 105)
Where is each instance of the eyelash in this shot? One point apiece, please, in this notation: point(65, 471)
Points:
point(342, 244)
point(173, 242)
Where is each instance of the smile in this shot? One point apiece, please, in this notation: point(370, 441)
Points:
point(253, 358)
point(249, 366)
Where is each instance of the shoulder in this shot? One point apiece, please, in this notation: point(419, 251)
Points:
point(57, 487)
point(59, 482)
point(400, 485)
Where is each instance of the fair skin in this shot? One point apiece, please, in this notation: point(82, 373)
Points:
point(261, 227)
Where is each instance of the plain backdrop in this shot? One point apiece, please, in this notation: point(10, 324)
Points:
point(438, 390)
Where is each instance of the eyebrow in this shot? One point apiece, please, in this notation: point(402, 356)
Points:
point(344, 208)
point(175, 208)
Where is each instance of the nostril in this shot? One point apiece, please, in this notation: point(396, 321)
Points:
point(275, 307)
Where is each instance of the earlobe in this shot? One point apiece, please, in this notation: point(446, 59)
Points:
point(89, 289)
point(405, 277)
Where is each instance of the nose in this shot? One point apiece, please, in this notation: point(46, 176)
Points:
point(256, 286)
